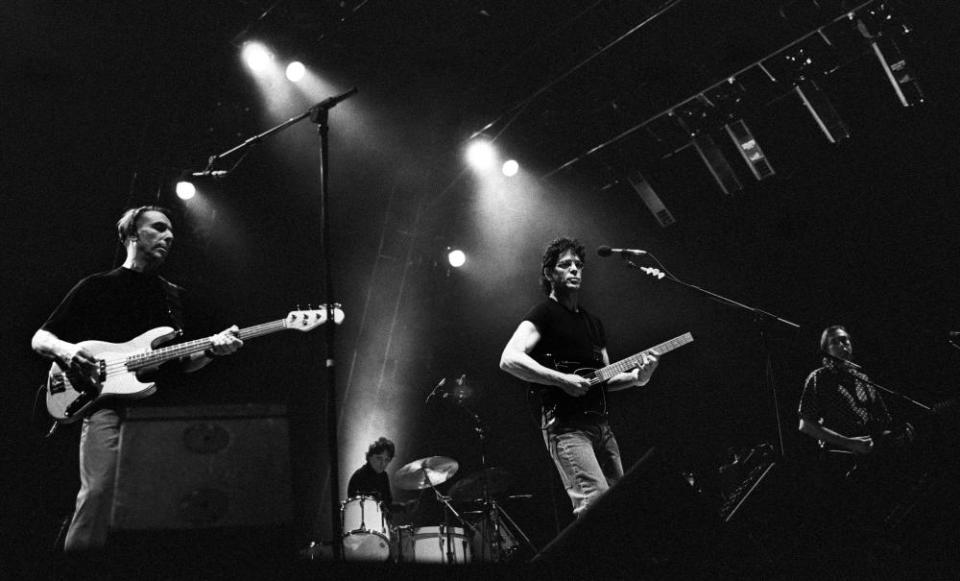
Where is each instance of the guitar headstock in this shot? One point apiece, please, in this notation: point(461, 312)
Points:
point(309, 319)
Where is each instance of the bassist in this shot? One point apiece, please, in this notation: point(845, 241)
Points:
point(115, 306)
point(579, 439)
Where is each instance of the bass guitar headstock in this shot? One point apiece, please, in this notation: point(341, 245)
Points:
point(309, 319)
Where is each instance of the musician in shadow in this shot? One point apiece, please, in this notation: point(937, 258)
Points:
point(116, 306)
point(577, 434)
point(839, 407)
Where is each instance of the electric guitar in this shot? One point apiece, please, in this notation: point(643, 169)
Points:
point(557, 404)
point(71, 397)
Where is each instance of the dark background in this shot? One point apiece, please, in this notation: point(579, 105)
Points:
point(105, 103)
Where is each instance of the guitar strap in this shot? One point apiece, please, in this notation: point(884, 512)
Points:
point(171, 295)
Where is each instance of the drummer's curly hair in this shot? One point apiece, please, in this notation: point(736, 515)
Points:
point(381, 445)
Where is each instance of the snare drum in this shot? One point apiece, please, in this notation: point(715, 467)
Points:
point(440, 544)
point(366, 536)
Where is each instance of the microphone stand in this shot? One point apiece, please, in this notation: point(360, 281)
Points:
point(759, 316)
point(491, 509)
point(318, 114)
point(861, 377)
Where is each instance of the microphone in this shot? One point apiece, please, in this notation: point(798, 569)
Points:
point(215, 174)
point(435, 388)
point(607, 251)
point(331, 102)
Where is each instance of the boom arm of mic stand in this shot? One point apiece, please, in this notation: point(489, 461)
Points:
point(759, 315)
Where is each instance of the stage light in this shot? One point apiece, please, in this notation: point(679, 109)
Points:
point(185, 190)
point(481, 154)
point(456, 257)
point(256, 56)
point(510, 168)
point(295, 71)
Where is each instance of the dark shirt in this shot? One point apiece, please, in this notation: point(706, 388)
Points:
point(843, 401)
point(567, 335)
point(365, 481)
point(569, 340)
point(115, 306)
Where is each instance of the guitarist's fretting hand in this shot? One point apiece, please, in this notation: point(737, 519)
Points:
point(647, 367)
point(226, 341)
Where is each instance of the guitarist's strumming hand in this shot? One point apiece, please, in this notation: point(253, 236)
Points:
point(573, 384)
point(860, 445)
point(81, 365)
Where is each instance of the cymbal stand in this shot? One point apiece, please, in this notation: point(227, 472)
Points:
point(491, 509)
point(446, 502)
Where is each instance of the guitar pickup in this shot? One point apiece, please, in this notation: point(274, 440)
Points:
point(101, 370)
point(77, 404)
point(57, 383)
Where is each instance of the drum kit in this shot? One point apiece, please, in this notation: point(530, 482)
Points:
point(483, 533)
point(486, 533)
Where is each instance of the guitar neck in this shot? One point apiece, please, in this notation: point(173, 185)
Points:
point(157, 356)
point(629, 363)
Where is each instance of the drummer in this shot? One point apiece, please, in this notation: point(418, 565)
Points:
point(371, 479)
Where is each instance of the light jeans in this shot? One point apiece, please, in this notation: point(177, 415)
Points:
point(588, 459)
point(99, 449)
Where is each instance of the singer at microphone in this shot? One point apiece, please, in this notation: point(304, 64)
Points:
point(839, 406)
point(624, 252)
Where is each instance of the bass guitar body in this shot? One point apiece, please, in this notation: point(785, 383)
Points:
point(69, 396)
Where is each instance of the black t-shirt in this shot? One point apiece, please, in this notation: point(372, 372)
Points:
point(366, 481)
point(567, 335)
point(115, 306)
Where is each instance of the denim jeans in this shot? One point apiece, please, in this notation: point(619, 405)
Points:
point(587, 458)
point(99, 449)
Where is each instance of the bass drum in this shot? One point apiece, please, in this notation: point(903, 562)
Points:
point(366, 536)
point(439, 544)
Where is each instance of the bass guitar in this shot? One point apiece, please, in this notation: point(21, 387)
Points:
point(70, 397)
point(557, 404)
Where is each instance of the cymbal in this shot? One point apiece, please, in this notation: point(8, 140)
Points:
point(414, 476)
point(470, 487)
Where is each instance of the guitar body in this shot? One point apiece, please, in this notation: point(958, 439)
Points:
point(558, 405)
point(66, 403)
